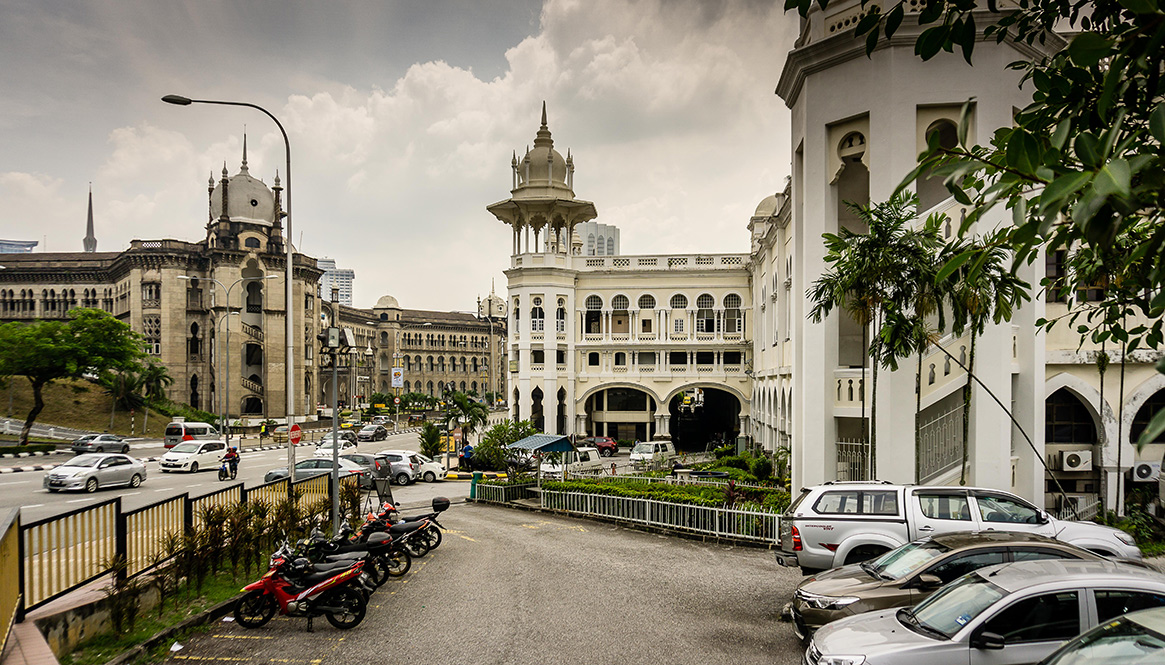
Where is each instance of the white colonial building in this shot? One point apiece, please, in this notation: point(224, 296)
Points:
point(614, 345)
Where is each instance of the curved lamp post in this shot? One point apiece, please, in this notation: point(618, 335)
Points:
point(290, 341)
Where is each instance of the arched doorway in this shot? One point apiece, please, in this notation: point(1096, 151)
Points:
point(622, 413)
point(252, 406)
point(1145, 415)
point(561, 420)
point(536, 415)
point(1069, 427)
point(704, 418)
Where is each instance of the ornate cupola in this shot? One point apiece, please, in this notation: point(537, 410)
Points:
point(542, 198)
point(242, 203)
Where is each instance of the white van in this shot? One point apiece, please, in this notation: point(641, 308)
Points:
point(180, 430)
point(647, 451)
point(581, 461)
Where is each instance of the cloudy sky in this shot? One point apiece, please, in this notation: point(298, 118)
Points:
point(402, 116)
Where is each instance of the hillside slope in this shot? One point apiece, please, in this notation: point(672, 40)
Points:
point(78, 404)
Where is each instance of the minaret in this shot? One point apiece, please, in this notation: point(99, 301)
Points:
point(90, 241)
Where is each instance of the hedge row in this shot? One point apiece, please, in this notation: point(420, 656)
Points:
point(696, 495)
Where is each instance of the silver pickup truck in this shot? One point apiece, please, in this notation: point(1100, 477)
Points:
point(841, 523)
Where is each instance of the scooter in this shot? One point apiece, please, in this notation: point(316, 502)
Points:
point(292, 588)
point(228, 470)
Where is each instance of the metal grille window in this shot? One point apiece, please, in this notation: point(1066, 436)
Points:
point(594, 303)
point(1067, 420)
point(646, 301)
point(679, 301)
point(620, 303)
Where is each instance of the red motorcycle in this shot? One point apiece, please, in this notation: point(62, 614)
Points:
point(291, 588)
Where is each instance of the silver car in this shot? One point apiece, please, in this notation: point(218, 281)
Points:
point(95, 471)
point(99, 443)
point(1010, 614)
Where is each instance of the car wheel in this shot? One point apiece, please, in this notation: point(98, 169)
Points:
point(53, 490)
point(606, 452)
point(91, 485)
point(430, 477)
point(194, 468)
point(125, 450)
point(136, 481)
point(100, 449)
point(402, 479)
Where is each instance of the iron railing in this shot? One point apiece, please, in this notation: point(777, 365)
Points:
point(502, 493)
point(749, 525)
point(9, 573)
point(852, 460)
point(940, 444)
point(1080, 511)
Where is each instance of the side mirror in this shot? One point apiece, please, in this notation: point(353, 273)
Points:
point(928, 581)
point(1044, 517)
point(987, 640)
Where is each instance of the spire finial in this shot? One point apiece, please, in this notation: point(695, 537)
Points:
point(244, 167)
point(90, 241)
point(224, 170)
point(543, 114)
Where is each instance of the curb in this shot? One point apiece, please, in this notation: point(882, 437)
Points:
point(208, 615)
point(37, 453)
point(487, 475)
point(20, 469)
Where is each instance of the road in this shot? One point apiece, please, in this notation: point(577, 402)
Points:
point(509, 586)
point(25, 489)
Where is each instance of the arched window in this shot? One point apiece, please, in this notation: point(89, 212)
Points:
point(705, 316)
point(679, 301)
point(195, 342)
point(560, 317)
point(594, 303)
point(251, 243)
point(620, 359)
point(620, 302)
point(647, 301)
point(610, 246)
point(931, 191)
point(590, 244)
point(537, 316)
point(601, 247)
point(732, 315)
point(593, 318)
point(1145, 414)
point(1067, 420)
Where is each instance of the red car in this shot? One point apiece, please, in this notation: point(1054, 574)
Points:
point(605, 444)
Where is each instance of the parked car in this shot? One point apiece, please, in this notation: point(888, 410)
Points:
point(647, 451)
point(193, 455)
point(582, 460)
point(180, 430)
point(314, 467)
point(909, 574)
point(279, 434)
point(99, 443)
point(1008, 614)
point(402, 460)
point(381, 420)
point(373, 467)
point(372, 433)
point(94, 471)
point(841, 523)
point(325, 447)
point(606, 445)
point(1137, 638)
point(346, 435)
point(431, 471)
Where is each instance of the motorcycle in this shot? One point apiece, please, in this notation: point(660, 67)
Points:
point(292, 588)
point(418, 533)
point(228, 470)
point(386, 558)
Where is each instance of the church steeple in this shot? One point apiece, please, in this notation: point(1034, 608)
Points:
point(90, 242)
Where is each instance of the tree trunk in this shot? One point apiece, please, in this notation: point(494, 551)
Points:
point(1120, 494)
point(967, 412)
point(873, 471)
point(112, 408)
point(918, 419)
point(1101, 366)
point(37, 407)
point(862, 386)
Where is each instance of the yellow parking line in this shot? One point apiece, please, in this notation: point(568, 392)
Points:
point(244, 637)
point(227, 658)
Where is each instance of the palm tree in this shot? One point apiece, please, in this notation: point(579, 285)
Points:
point(155, 379)
point(980, 287)
point(871, 272)
point(470, 413)
point(124, 388)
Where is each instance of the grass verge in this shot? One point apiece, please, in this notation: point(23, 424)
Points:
point(103, 648)
point(8, 447)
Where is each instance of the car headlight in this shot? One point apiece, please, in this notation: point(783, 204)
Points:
point(1126, 539)
point(819, 602)
point(841, 660)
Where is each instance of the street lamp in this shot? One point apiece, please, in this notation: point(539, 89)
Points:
point(225, 412)
point(290, 341)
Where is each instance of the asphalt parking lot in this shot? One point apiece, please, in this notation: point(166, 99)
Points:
point(510, 586)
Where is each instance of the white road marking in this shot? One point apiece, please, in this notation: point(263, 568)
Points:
point(79, 500)
point(131, 493)
point(35, 505)
point(16, 482)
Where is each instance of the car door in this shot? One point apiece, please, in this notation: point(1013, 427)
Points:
point(954, 567)
point(211, 455)
point(1003, 512)
point(1109, 604)
point(1032, 627)
point(941, 510)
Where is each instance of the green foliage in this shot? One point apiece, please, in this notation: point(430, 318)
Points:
point(89, 342)
point(742, 462)
point(179, 409)
point(430, 440)
point(762, 468)
point(491, 453)
point(697, 495)
point(723, 451)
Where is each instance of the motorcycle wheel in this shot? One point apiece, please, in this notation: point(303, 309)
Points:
point(432, 537)
point(222, 474)
point(417, 547)
point(397, 562)
point(254, 609)
point(354, 608)
point(378, 569)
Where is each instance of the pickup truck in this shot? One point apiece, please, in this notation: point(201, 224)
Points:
point(841, 523)
point(583, 460)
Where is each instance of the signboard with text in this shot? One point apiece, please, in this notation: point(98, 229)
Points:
point(398, 377)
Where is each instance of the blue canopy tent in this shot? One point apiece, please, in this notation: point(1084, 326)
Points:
point(543, 443)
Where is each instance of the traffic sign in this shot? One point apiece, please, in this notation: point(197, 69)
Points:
point(294, 435)
point(396, 400)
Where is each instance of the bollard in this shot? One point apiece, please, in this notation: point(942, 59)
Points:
point(473, 484)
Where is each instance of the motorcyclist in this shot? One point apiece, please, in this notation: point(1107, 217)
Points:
point(231, 457)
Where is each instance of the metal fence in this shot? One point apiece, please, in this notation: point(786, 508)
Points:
point(852, 459)
point(13, 426)
point(9, 573)
point(64, 552)
point(502, 493)
point(940, 445)
point(757, 526)
point(1080, 511)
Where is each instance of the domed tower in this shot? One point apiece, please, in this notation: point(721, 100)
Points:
point(244, 213)
point(542, 208)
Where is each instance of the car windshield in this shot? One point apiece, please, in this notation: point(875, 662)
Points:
point(87, 438)
point(185, 448)
point(956, 604)
point(84, 460)
point(369, 428)
point(1118, 642)
point(642, 448)
point(906, 559)
point(424, 460)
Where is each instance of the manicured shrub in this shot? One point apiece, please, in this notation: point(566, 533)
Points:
point(762, 468)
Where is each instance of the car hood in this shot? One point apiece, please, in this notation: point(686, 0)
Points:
point(881, 638)
point(280, 470)
point(70, 471)
point(844, 581)
point(176, 457)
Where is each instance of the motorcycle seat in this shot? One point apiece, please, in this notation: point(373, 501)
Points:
point(418, 518)
point(405, 527)
point(345, 557)
point(332, 567)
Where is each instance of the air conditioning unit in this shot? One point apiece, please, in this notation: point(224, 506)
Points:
point(1075, 460)
point(1146, 472)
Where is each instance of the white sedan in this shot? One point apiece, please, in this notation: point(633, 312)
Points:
point(431, 471)
point(194, 455)
point(325, 448)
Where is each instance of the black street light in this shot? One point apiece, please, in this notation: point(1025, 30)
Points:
point(179, 100)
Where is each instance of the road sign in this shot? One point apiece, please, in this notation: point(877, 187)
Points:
point(398, 377)
point(379, 406)
point(396, 400)
point(294, 435)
